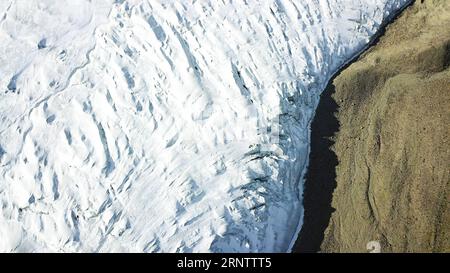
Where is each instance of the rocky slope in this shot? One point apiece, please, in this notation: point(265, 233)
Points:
point(392, 146)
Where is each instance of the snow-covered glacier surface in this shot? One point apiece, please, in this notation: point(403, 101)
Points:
point(164, 125)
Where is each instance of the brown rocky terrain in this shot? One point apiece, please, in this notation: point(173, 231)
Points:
point(392, 145)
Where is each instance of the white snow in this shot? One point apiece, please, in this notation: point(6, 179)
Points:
point(164, 125)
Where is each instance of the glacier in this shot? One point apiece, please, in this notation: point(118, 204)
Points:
point(164, 126)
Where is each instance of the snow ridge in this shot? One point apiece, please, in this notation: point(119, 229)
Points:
point(164, 125)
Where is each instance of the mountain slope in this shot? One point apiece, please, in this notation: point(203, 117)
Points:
point(393, 141)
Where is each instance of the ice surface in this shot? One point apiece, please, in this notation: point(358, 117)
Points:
point(164, 125)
